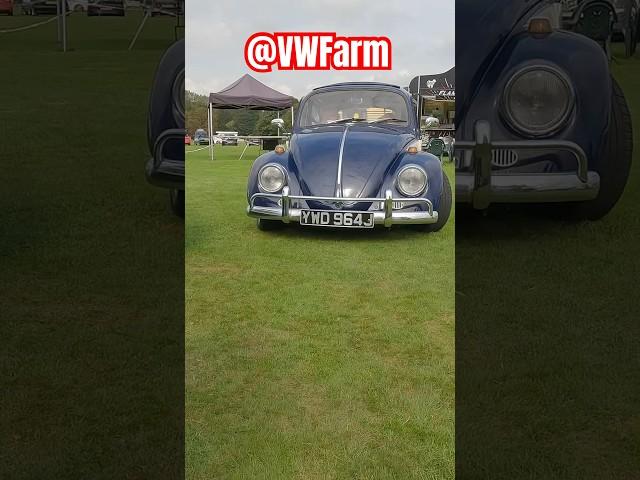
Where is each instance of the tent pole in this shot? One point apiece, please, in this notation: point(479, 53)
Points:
point(278, 127)
point(210, 119)
point(59, 20)
point(419, 112)
point(64, 25)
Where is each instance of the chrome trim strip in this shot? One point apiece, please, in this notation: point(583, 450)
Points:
point(386, 216)
point(530, 188)
point(339, 177)
point(570, 147)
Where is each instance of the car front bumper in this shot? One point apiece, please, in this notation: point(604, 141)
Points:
point(387, 215)
point(162, 171)
point(482, 186)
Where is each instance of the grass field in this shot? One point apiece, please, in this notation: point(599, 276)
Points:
point(91, 366)
point(313, 354)
point(546, 337)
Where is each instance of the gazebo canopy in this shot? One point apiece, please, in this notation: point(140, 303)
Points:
point(441, 86)
point(247, 92)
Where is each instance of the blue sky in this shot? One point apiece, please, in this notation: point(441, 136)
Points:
point(422, 34)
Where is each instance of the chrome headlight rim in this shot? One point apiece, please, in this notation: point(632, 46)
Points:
point(262, 188)
point(552, 128)
point(177, 98)
point(422, 191)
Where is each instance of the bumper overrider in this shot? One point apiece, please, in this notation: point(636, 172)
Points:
point(481, 186)
point(163, 170)
point(386, 215)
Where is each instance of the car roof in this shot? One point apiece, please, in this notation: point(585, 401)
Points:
point(358, 84)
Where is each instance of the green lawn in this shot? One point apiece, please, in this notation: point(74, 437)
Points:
point(313, 354)
point(546, 337)
point(89, 254)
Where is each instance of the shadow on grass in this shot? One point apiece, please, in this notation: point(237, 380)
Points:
point(378, 234)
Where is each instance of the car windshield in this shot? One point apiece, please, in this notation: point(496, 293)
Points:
point(366, 105)
point(200, 133)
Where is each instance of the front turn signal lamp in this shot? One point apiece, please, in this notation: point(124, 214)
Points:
point(540, 27)
point(414, 147)
point(279, 149)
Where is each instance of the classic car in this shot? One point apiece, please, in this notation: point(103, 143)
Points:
point(166, 127)
point(354, 161)
point(533, 124)
point(604, 21)
point(40, 7)
point(103, 8)
point(6, 7)
point(200, 137)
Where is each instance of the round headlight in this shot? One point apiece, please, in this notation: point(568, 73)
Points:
point(538, 100)
point(271, 178)
point(412, 180)
point(177, 94)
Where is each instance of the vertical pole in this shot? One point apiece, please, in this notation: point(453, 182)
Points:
point(58, 8)
point(278, 127)
point(418, 102)
point(291, 118)
point(211, 130)
point(64, 25)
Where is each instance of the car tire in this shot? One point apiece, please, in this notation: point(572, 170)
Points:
point(176, 199)
point(269, 225)
point(444, 208)
point(614, 170)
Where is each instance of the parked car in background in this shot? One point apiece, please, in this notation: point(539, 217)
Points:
point(229, 141)
point(355, 161)
point(40, 7)
point(78, 5)
point(6, 7)
point(540, 127)
point(626, 27)
point(201, 137)
point(164, 7)
point(166, 127)
point(227, 137)
point(104, 8)
point(604, 21)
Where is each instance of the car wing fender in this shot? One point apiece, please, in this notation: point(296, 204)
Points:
point(428, 162)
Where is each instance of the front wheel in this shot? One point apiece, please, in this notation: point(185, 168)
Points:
point(444, 209)
point(176, 198)
point(616, 163)
point(269, 225)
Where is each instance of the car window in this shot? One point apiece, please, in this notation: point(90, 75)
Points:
point(371, 106)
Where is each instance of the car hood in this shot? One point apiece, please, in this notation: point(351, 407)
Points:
point(367, 154)
point(482, 28)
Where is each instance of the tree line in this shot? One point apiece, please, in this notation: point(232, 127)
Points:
point(243, 121)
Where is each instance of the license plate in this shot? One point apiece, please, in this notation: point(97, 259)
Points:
point(335, 218)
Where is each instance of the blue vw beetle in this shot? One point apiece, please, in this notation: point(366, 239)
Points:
point(166, 127)
point(539, 118)
point(354, 161)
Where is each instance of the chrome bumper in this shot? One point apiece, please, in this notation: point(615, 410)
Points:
point(482, 186)
point(386, 216)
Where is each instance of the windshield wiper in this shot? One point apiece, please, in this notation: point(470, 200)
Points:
point(381, 120)
point(347, 120)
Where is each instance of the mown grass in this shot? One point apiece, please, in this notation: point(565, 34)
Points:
point(311, 353)
point(90, 255)
point(546, 337)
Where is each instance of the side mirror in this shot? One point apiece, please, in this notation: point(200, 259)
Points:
point(278, 122)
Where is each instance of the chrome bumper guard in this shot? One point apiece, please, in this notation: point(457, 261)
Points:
point(481, 186)
point(387, 216)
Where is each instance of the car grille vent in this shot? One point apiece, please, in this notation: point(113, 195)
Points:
point(503, 158)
